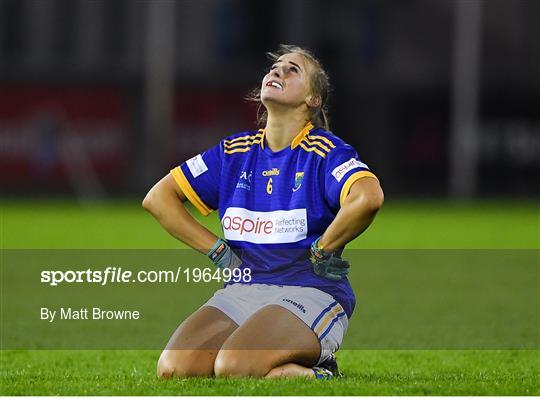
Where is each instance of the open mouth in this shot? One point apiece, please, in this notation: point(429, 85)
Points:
point(275, 84)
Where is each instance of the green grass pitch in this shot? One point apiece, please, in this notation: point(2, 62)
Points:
point(485, 225)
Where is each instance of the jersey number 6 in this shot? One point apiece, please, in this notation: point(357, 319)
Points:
point(269, 186)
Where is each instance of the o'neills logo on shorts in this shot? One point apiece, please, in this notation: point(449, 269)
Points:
point(295, 304)
point(274, 227)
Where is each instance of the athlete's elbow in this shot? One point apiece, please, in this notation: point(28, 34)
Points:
point(150, 201)
point(147, 202)
point(378, 200)
point(372, 202)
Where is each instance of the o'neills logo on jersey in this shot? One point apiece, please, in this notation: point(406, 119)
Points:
point(271, 172)
point(274, 227)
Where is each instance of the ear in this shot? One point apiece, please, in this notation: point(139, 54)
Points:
point(313, 101)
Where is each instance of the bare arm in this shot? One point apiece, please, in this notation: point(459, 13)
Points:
point(165, 201)
point(356, 214)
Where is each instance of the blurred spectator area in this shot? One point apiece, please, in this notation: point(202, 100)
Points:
point(74, 88)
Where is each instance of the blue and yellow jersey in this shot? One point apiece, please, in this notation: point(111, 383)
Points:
point(273, 205)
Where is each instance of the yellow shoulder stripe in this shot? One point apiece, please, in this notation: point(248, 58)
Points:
point(349, 182)
point(244, 149)
point(312, 149)
point(257, 139)
point(321, 145)
point(226, 142)
point(330, 144)
point(190, 193)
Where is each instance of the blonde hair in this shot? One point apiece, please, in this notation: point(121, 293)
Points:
point(319, 85)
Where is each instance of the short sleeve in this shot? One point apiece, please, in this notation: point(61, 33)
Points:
point(199, 178)
point(343, 168)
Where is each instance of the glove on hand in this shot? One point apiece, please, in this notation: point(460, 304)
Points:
point(326, 265)
point(223, 256)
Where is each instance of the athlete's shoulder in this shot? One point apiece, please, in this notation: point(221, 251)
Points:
point(241, 142)
point(325, 141)
point(320, 133)
point(244, 135)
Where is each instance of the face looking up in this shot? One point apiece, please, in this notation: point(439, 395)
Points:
point(287, 82)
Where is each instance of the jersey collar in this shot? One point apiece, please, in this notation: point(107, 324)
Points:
point(305, 130)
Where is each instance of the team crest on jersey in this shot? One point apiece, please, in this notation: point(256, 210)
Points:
point(298, 178)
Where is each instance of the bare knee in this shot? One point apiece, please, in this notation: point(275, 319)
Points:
point(226, 365)
point(185, 363)
point(165, 365)
point(239, 363)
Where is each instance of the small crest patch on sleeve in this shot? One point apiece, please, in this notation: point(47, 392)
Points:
point(196, 165)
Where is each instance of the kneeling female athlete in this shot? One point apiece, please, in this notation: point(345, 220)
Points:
point(290, 197)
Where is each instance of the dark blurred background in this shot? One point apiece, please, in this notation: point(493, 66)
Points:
point(101, 98)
